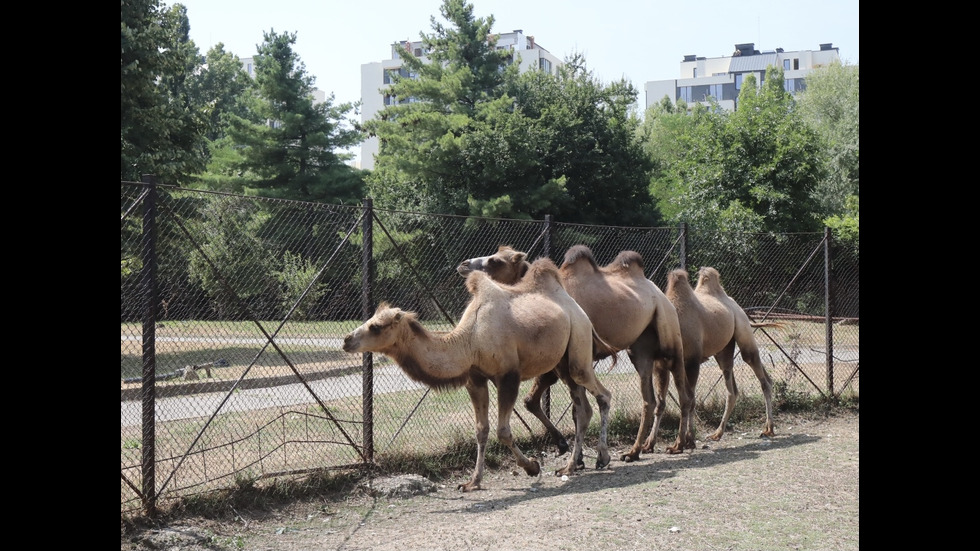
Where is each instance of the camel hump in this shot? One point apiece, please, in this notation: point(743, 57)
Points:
point(709, 281)
point(627, 261)
point(677, 282)
point(542, 272)
point(579, 252)
point(478, 281)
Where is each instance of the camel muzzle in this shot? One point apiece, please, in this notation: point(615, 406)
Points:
point(349, 345)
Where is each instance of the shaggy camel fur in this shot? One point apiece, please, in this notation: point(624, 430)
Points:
point(507, 334)
point(629, 312)
point(712, 324)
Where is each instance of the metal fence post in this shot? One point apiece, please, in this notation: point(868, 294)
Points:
point(367, 359)
point(829, 309)
point(148, 284)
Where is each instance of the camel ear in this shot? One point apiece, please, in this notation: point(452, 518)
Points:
point(519, 257)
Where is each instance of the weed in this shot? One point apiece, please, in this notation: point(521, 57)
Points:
point(791, 399)
point(244, 480)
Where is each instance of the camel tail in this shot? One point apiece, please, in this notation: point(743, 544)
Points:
point(602, 350)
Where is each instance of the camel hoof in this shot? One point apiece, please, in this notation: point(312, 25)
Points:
point(629, 457)
point(767, 434)
point(533, 469)
point(562, 447)
point(468, 487)
point(600, 464)
point(715, 437)
point(673, 450)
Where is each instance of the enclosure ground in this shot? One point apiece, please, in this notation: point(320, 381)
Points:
point(797, 491)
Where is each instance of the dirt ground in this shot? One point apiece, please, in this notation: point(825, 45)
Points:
point(797, 491)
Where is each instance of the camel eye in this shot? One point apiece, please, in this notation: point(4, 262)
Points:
point(375, 328)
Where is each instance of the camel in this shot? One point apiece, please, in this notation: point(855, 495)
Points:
point(629, 312)
point(506, 334)
point(712, 324)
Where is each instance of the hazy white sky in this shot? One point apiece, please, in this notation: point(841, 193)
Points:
point(640, 40)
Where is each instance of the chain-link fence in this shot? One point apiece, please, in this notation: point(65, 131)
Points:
point(233, 310)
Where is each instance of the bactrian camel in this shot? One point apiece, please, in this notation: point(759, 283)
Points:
point(506, 334)
point(629, 312)
point(712, 325)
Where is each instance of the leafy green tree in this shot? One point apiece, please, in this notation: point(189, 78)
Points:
point(847, 226)
point(160, 127)
point(468, 135)
point(580, 133)
point(428, 131)
point(750, 170)
point(233, 266)
point(771, 160)
point(830, 104)
point(289, 146)
point(217, 88)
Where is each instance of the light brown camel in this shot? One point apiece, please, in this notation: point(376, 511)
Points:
point(712, 324)
point(629, 312)
point(506, 334)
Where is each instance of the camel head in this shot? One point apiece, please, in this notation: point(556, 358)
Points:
point(381, 332)
point(506, 266)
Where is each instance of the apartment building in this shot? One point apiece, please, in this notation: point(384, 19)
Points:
point(376, 76)
point(722, 77)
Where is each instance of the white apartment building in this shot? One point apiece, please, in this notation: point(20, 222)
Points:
point(376, 76)
point(721, 77)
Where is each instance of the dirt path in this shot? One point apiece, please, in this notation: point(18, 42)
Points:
point(798, 491)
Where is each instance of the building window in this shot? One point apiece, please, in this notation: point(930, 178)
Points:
point(796, 64)
point(790, 85)
point(684, 93)
point(786, 65)
point(695, 72)
point(738, 81)
point(418, 52)
point(545, 65)
point(715, 91)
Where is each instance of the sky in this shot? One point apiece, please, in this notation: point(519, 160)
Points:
point(639, 40)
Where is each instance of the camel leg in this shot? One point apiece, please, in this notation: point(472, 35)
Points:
point(533, 404)
point(507, 390)
point(582, 413)
point(726, 361)
point(644, 369)
point(661, 378)
point(751, 356)
point(480, 398)
point(604, 399)
point(692, 369)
